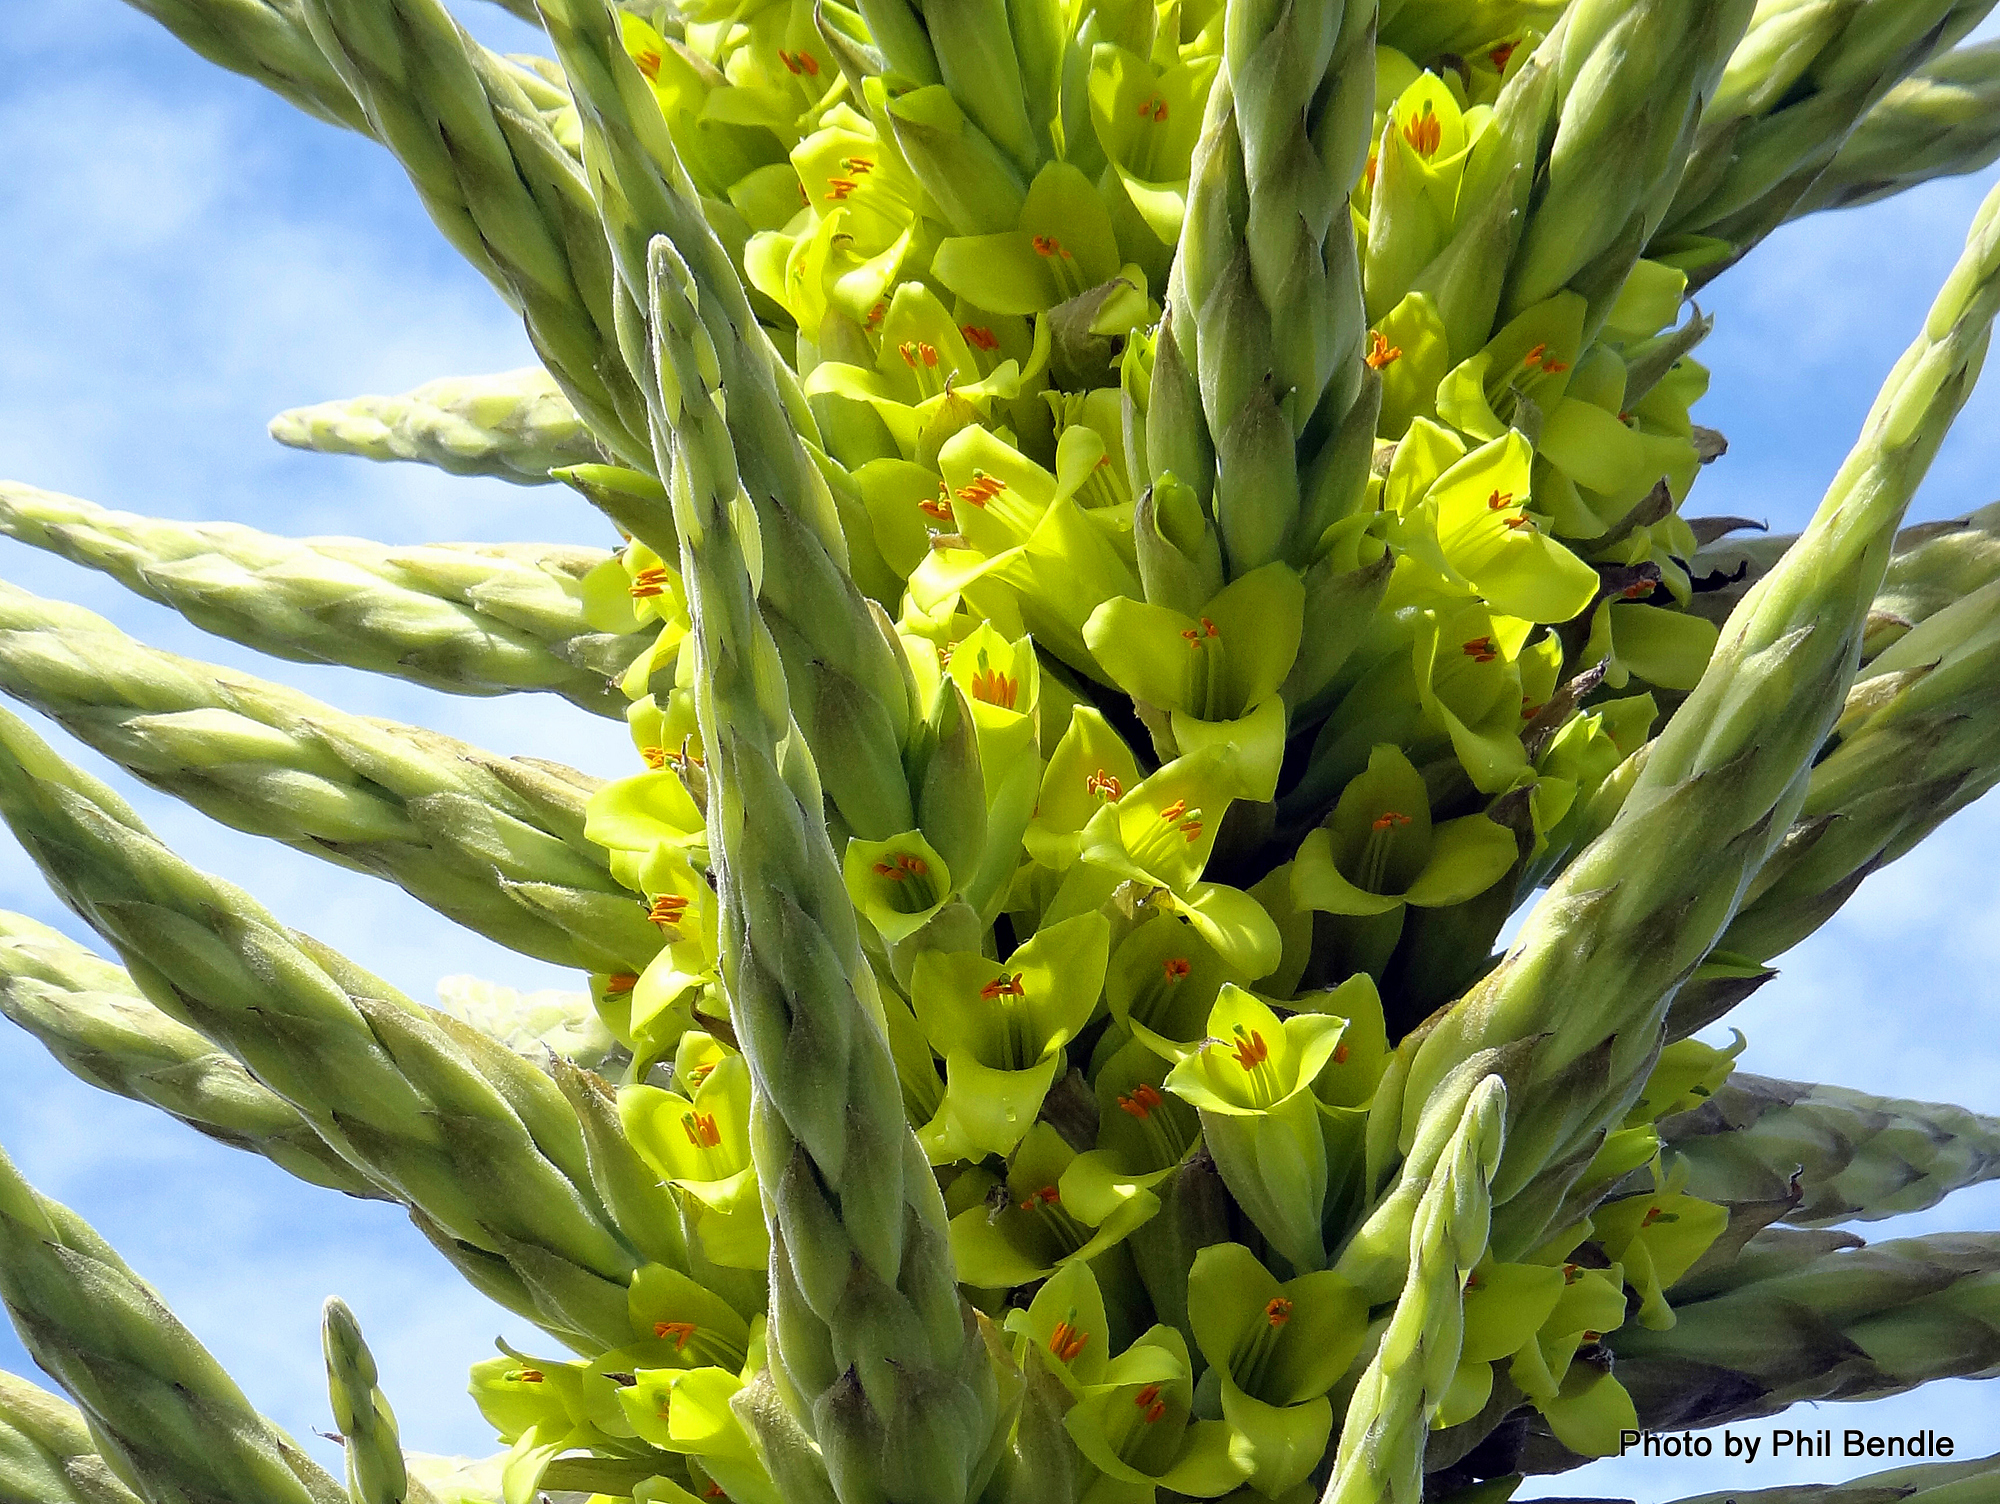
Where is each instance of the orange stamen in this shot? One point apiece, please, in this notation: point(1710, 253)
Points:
point(982, 489)
point(680, 1331)
point(1141, 1102)
point(996, 688)
point(1481, 650)
point(1003, 986)
point(1176, 968)
point(528, 1375)
point(1105, 786)
point(839, 188)
point(649, 64)
point(1425, 132)
point(900, 866)
point(656, 757)
point(1278, 1310)
point(938, 507)
point(649, 582)
point(1048, 245)
point(1380, 352)
point(1151, 1406)
point(1498, 500)
point(619, 983)
point(980, 337)
point(1340, 1054)
point(666, 910)
point(1046, 1196)
point(1065, 1342)
point(1499, 55)
point(700, 1129)
point(1388, 820)
point(1251, 1051)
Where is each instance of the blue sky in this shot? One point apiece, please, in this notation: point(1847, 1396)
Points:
point(182, 256)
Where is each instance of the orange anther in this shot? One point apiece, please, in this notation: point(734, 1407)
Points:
point(980, 337)
point(1380, 352)
point(839, 188)
point(1499, 55)
point(1141, 1101)
point(1517, 523)
point(700, 1129)
point(655, 757)
point(938, 506)
point(680, 1331)
point(1003, 986)
point(996, 688)
point(666, 910)
point(1389, 819)
point(1046, 1196)
point(1498, 500)
point(1481, 650)
point(982, 489)
point(1105, 786)
point(1278, 1310)
point(649, 63)
point(1175, 810)
point(1340, 1054)
point(1425, 132)
point(619, 983)
point(1176, 968)
point(1250, 1050)
point(900, 866)
point(1151, 1406)
point(649, 582)
point(527, 1375)
point(858, 165)
point(1048, 245)
point(1065, 1342)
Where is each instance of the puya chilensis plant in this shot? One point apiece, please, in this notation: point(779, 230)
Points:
point(1146, 533)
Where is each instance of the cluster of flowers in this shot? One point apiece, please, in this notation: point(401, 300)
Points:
point(1176, 811)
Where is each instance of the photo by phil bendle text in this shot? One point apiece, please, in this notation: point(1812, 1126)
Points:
point(1853, 1443)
